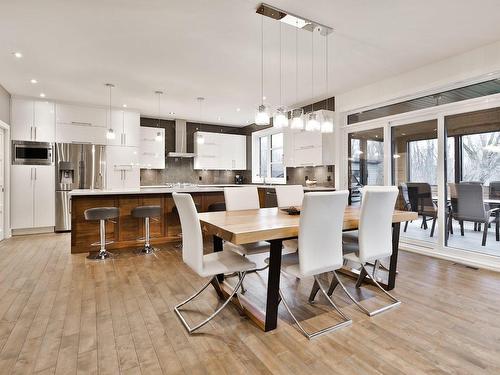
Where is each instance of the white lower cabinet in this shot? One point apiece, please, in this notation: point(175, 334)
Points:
point(32, 196)
point(122, 168)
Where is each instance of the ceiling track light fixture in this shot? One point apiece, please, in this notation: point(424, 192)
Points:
point(280, 119)
point(292, 19)
point(158, 137)
point(262, 115)
point(111, 133)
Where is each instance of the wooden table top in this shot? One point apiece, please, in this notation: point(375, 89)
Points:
point(246, 226)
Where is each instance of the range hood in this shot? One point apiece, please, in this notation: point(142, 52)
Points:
point(181, 141)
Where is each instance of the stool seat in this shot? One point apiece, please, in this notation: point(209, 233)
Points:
point(146, 211)
point(101, 213)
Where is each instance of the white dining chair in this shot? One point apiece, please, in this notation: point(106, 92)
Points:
point(289, 196)
point(374, 239)
point(320, 241)
point(209, 265)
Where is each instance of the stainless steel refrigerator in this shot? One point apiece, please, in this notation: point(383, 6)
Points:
point(78, 166)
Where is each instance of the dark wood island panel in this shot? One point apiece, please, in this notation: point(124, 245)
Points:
point(126, 230)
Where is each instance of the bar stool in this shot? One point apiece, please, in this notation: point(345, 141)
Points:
point(146, 213)
point(102, 214)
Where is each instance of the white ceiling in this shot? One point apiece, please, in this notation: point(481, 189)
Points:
point(194, 48)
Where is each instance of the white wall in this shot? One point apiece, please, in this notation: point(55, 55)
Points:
point(4, 105)
point(442, 73)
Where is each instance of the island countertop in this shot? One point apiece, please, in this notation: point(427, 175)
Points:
point(161, 189)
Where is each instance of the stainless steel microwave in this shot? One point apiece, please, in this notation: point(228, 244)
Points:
point(32, 153)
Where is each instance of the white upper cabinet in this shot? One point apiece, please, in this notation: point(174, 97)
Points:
point(80, 124)
point(220, 151)
point(79, 115)
point(126, 126)
point(152, 148)
point(303, 148)
point(32, 120)
point(131, 129)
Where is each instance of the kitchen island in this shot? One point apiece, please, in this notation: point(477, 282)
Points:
point(126, 230)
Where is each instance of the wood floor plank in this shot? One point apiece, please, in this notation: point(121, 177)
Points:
point(64, 314)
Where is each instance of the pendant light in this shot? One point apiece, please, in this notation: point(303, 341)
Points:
point(158, 134)
point(200, 139)
point(327, 123)
point(280, 119)
point(111, 133)
point(297, 121)
point(312, 123)
point(262, 115)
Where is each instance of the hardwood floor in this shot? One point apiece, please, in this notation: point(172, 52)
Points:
point(61, 313)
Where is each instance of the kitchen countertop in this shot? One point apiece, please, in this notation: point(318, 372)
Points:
point(160, 189)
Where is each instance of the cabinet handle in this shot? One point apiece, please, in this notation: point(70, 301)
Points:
point(31, 132)
point(35, 133)
point(307, 147)
point(81, 123)
point(31, 173)
point(124, 139)
point(35, 173)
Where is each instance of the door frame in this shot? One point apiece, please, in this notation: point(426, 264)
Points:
point(6, 212)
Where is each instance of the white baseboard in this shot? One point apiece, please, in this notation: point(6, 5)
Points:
point(25, 231)
point(466, 258)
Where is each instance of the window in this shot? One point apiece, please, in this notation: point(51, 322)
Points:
point(422, 160)
point(481, 157)
point(268, 145)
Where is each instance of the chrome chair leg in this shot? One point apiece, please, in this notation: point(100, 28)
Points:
point(199, 325)
point(243, 290)
point(395, 301)
point(346, 320)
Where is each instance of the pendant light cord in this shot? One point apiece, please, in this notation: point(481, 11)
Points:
point(262, 59)
point(281, 73)
point(159, 103)
point(297, 62)
point(312, 69)
point(326, 69)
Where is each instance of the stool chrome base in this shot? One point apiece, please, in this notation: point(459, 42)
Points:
point(147, 249)
point(100, 255)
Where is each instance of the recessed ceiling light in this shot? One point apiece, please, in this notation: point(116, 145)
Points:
point(238, 109)
point(264, 98)
point(219, 118)
point(18, 54)
point(42, 95)
point(33, 81)
point(124, 105)
point(171, 113)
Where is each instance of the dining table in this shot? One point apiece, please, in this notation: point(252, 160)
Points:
point(274, 225)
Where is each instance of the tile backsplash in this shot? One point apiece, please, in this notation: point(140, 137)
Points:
point(181, 170)
point(324, 175)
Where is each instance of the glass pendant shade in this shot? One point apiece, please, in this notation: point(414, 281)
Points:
point(262, 116)
point(200, 139)
point(297, 121)
point(280, 119)
point(110, 134)
point(312, 124)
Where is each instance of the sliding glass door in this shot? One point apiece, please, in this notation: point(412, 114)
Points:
point(365, 160)
point(473, 184)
